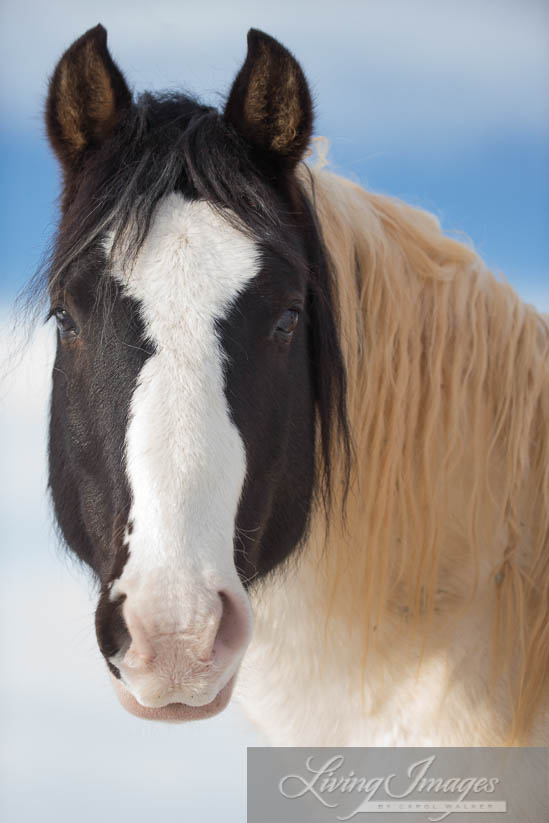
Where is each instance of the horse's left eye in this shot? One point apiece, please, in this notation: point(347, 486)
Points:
point(66, 325)
point(287, 323)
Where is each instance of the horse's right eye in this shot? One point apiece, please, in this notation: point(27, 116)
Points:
point(66, 325)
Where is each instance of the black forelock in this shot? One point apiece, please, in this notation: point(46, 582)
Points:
point(168, 142)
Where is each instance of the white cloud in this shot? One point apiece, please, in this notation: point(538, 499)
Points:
point(25, 373)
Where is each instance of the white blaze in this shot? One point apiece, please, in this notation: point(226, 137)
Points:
point(185, 458)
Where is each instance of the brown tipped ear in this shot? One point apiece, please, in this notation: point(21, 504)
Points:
point(88, 98)
point(270, 103)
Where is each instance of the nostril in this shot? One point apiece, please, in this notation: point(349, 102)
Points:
point(110, 627)
point(234, 627)
point(120, 632)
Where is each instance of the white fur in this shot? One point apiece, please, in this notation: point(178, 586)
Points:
point(185, 458)
point(303, 683)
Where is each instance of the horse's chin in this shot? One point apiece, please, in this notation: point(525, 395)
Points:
point(173, 712)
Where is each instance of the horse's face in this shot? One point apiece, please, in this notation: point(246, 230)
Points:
point(182, 439)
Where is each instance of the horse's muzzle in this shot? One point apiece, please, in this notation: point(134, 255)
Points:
point(178, 660)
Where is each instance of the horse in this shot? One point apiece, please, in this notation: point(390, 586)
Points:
point(299, 434)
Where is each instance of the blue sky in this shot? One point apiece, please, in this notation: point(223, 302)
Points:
point(445, 104)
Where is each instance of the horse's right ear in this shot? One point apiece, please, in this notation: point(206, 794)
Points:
point(88, 98)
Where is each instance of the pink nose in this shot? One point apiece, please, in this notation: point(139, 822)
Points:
point(211, 639)
point(186, 658)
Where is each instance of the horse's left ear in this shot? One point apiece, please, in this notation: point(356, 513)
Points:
point(88, 98)
point(270, 103)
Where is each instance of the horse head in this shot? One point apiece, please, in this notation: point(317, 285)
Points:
point(198, 375)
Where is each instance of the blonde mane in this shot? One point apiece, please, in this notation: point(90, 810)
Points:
point(448, 401)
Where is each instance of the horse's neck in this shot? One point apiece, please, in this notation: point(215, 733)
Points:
point(305, 680)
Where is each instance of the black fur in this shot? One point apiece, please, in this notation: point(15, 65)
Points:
point(279, 393)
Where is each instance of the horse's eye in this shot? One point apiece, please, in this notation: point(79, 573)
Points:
point(287, 323)
point(66, 325)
